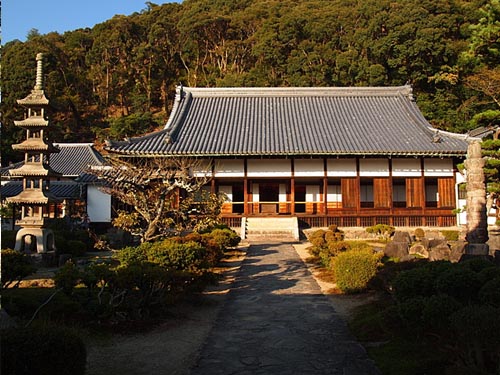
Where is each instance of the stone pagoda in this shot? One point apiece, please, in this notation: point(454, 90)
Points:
point(35, 172)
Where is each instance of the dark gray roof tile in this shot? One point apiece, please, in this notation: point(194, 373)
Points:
point(295, 121)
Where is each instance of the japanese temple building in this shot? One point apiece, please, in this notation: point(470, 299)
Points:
point(351, 156)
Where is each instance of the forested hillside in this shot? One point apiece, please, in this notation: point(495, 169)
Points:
point(118, 78)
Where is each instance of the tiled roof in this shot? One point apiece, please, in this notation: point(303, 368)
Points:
point(72, 161)
point(295, 121)
point(75, 158)
point(59, 189)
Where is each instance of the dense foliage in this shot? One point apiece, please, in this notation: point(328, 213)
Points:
point(117, 79)
point(42, 350)
point(142, 280)
point(15, 267)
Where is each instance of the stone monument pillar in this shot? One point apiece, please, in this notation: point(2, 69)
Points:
point(477, 221)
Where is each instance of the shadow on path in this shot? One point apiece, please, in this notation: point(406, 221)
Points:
point(276, 321)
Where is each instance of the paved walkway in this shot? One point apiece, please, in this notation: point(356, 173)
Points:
point(276, 321)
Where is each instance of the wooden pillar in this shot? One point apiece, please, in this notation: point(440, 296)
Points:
point(325, 194)
point(423, 221)
point(292, 188)
point(245, 195)
point(245, 188)
point(358, 203)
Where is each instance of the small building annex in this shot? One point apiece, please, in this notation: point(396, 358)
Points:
point(76, 191)
point(350, 156)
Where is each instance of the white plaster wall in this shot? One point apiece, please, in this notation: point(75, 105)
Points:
point(309, 168)
point(341, 168)
point(374, 167)
point(98, 205)
point(282, 193)
point(438, 167)
point(229, 168)
point(228, 190)
point(202, 169)
point(312, 193)
point(269, 168)
point(459, 178)
point(406, 168)
point(255, 190)
point(334, 193)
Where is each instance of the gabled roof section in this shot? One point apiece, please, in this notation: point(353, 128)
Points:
point(72, 161)
point(322, 121)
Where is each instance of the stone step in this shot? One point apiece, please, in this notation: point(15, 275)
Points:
point(272, 227)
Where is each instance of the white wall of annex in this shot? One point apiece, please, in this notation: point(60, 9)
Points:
point(374, 167)
point(406, 168)
point(309, 168)
point(438, 167)
point(341, 168)
point(269, 168)
point(98, 205)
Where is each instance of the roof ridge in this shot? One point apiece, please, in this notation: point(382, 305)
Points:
point(405, 90)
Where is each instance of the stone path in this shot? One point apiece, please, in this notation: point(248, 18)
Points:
point(276, 321)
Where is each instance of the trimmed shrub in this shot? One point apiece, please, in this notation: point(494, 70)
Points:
point(411, 311)
point(477, 264)
point(225, 237)
point(75, 248)
point(15, 267)
point(354, 269)
point(383, 231)
point(178, 256)
point(477, 331)
point(450, 235)
point(488, 274)
point(133, 254)
point(460, 283)
point(67, 277)
point(489, 294)
point(42, 351)
point(419, 281)
point(317, 240)
point(419, 233)
point(437, 311)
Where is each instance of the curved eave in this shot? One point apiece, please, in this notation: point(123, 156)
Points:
point(35, 98)
point(433, 153)
point(34, 171)
point(35, 146)
point(32, 122)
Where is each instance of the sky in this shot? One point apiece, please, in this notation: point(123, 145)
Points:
point(20, 16)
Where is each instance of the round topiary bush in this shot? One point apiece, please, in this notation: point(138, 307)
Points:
point(42, 350)
point(354, 269)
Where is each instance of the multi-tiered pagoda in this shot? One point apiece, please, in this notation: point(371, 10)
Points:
point(35, 172)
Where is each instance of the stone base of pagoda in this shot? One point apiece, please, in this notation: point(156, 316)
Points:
point(40, 240)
